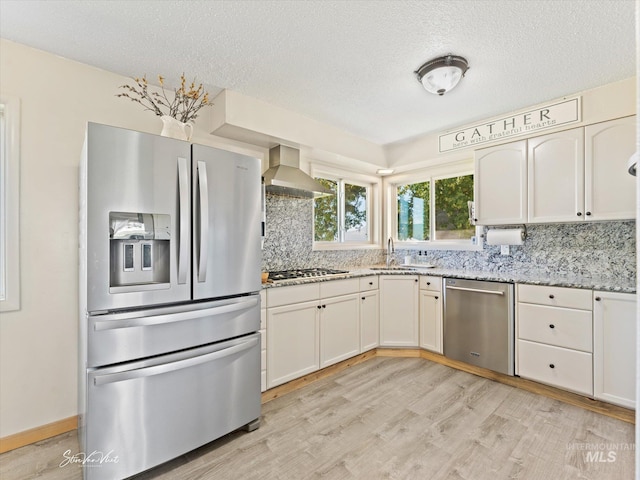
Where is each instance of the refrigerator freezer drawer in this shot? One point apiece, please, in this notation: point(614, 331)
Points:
point(147, 412)
point(122, 337)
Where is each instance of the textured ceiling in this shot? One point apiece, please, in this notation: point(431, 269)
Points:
point(348, 63)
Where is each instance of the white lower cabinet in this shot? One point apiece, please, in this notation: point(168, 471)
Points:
point(339, 329)
point(369, 320)
point(555, 337)
point(399, 311)
point(312, 326)
point(292, 342)
point(614, 347)
point(431, 313)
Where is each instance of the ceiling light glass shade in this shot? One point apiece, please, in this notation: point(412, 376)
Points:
point(440, 75)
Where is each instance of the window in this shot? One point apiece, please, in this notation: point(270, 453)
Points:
point(452, 197)
point(434, 210)
point(9, 185)
point(413, 211)
point(343, 216)
point(346, 219)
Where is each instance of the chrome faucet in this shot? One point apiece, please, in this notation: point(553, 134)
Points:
point(390, 250)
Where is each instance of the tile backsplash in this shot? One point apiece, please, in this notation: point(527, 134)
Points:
point(592, 249)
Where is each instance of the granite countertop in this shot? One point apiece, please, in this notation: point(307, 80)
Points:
point(609, 284)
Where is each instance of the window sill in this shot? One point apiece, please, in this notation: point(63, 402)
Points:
point(442, 245)
point(320, 246)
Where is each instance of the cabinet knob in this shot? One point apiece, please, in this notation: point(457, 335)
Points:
point(416, 280)
point(552, 297)
point(579, 214)
point(436, 298)
point(598, 299)
point(428, 283)
point(551, 365)
point(475, 219)
point(319, 307)
point(588, 214)
point(324, 306)
point(552, 326)
point(370, 283)
point(363, 298)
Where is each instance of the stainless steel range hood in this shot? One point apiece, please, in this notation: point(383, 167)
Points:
point(285, 177)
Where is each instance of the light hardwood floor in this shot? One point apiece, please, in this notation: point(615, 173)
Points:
point(390, 418)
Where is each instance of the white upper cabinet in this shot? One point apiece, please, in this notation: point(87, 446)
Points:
point(575, 175)
point(556, 177)
point(610, 192)
point(501, 184)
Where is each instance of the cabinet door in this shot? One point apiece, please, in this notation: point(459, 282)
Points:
point(369, 320)
point(610, 192)
point(292, 342)
point(399, 311)
point(431, 321)
point(501, 184)
point(614, 348)
point(556, 177)
point(339, 329)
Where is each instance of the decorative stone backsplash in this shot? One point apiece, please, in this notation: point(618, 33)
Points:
point(592, 249)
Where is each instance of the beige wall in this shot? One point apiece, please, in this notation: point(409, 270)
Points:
point(38, 343)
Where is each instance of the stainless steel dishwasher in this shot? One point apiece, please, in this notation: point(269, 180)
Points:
point(479, 323)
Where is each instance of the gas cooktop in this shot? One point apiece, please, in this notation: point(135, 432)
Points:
point(304, 273)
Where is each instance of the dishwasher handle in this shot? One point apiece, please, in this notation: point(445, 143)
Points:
point(476, 290)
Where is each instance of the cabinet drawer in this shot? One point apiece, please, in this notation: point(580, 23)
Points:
point(293, 294)
point(555, 296)
point(335, 288)
point(369, 283)
point(562, 327)
point(433, 284)
point(560, 367)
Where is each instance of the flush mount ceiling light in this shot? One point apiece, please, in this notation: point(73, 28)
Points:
point(442, 74)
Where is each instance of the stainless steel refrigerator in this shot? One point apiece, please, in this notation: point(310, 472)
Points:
point(169, 298)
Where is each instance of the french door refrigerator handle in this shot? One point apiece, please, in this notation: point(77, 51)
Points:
point(173, 366)
point(183, 192)
point(204, 221)
point(476, 290)
point(112, 322)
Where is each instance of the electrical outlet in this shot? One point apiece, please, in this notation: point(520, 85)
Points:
point(504, 249)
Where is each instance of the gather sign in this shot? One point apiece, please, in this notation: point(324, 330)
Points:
point(548, 116)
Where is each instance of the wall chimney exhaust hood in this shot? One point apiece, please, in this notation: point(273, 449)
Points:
point(284, 176)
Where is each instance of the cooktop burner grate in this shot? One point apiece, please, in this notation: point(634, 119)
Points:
point(304, 273)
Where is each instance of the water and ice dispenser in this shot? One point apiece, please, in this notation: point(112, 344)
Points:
point(139, 249)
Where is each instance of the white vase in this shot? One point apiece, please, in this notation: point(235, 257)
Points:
point(175, 128)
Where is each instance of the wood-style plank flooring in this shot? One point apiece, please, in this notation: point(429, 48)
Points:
point(390, 418)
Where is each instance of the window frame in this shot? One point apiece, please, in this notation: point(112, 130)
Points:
point(373, 185)
point(430, 174)
point(9, 206)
